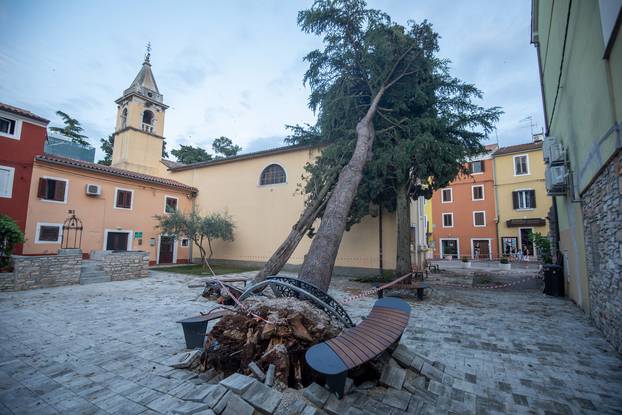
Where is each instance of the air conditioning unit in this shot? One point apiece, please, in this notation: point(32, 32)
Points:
point(556, 180)
point(93, 190)
point(553, 151)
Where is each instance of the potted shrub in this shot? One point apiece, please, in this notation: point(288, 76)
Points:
point(504, 263)
point(10, 235)
point(466, 262)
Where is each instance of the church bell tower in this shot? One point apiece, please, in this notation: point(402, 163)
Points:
point(138, 136)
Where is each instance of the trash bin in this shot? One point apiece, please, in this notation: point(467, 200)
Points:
point(553, 280)
point(194, 331)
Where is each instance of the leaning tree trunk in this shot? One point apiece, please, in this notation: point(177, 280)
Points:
point(318, 265)
point(403, 263)
point(280, 257)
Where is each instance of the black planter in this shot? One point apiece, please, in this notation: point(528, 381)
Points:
point(194, 331)
point(553, 280)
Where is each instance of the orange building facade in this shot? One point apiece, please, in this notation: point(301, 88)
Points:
point(464, 214)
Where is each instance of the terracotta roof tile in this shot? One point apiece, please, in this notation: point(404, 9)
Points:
point(518, 148)
point(114, 171)
point(22, 112)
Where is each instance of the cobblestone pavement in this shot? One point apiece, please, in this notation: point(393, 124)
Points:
point(102, 348)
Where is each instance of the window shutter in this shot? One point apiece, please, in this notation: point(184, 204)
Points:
point(43, 188)
point(483, 165)
point(128, 199)
point(119, 198)
point(471, 167)
point(59, 190)
point(532, 197)
point(515, 200)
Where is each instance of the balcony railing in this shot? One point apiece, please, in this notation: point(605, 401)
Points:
point(147, 127)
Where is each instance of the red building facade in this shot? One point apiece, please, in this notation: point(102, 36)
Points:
point(22, 137)
point(464, 214)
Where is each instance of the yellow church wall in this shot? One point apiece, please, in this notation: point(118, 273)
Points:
point(264, 215)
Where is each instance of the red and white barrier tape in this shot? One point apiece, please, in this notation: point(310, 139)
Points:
point(490, 287)
point(373, 290)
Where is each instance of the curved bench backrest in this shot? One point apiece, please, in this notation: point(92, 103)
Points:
point(383, 327)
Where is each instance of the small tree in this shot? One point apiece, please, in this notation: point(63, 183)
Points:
point(189, 154)
point(72, 129)
point(225, 147)
point(10, 235)
point(543, 247)
point(198, 228)
point(107, 144)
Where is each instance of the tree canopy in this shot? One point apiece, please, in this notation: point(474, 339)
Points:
point(107, 144)
point(224, 147)
point(72, 129)
point(189, 154)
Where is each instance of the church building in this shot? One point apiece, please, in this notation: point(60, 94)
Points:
point(117, 204)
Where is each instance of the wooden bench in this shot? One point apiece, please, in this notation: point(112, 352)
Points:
point(354, 346)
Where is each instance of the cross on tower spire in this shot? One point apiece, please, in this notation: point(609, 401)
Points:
point(148, 54)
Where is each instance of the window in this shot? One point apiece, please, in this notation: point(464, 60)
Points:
point(479, 219)
point(148, 121)
point(49, 233)
point(448, 220)
point(123, 199)
point(6, 181)
point(52, 189)
point(447, 195)
point(478, 192)
point(170, 204)
point(524, 199)
point(521, 165)
point(185, 242)
point(124, 118)
point(272, 174)
point(477, 167)
point(7, 126)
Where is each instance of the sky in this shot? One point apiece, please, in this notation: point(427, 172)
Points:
point(235, 68)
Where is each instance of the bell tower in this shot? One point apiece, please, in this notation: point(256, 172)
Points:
point(138, 136)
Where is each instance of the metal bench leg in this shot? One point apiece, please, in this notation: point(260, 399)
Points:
point(419, 293)
point(337, 383)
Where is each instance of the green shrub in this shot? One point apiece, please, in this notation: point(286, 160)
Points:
point(10, 235)
point(465, 259)
point(504, 260)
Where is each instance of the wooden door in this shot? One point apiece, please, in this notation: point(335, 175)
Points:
point(167, 247)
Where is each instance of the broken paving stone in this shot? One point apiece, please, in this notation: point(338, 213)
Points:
point(188, 408)
point(270, 375)
point(367, 385)
point(238, 383)
point(222, 403)
point(257, 371)
point(262, 397)
point(397, 399)
point(348, 386)
point(432, 372)
point(309, 410)
point(353, 411)
point(392, 376)
point(403, 355)
point(205, 412)
point(215, 395)
point(199, 393)
point(336, 406)
point(414, 381)
point(316, 394)
point(185, 359)
point(237, 406)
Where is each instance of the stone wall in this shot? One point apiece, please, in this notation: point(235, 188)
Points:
point(43, 271)
point(602, 221)
point(126, 265)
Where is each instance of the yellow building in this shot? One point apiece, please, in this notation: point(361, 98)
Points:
point(522, 202)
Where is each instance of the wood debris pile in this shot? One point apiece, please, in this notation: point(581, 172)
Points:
point(293, 327)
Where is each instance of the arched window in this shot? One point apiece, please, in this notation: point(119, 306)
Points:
point(272, 174)
point(124, 118)
point(148, 121)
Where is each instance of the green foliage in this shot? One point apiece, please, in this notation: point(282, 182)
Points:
point(72, 129)
point(164, 152)
point(543, 247)
point(465, 259)
point(504, 260)
point(224, 147)
point(427, 126)
point(198, 228)
point(107, 144)
point(10, 236)
point(189, 154)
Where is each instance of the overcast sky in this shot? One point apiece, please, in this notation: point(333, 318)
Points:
point(235, 68)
